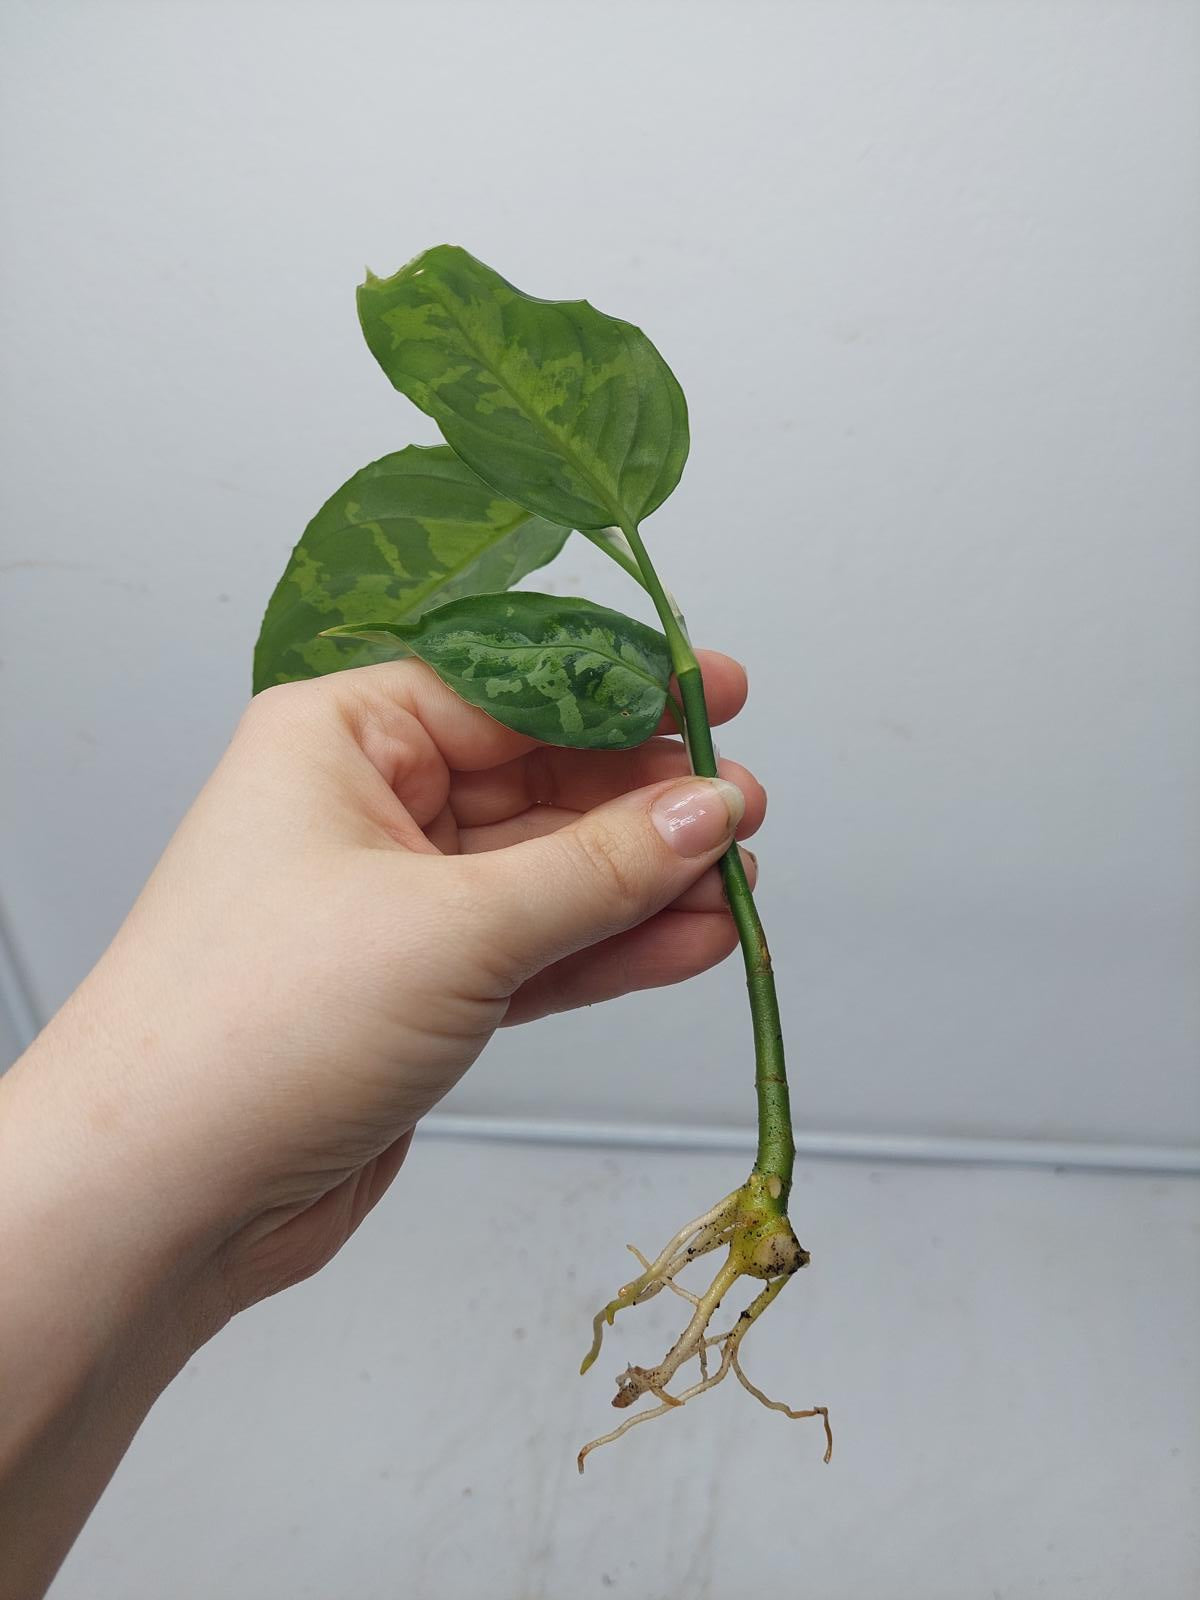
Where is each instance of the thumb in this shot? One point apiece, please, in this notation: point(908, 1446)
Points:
point(617, 865)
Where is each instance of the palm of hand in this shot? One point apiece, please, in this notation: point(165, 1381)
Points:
point(388, 759)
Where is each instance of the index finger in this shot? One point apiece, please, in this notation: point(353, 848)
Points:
point(386, 696)
point(725, 689)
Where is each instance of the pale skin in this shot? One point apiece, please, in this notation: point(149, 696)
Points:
point(375, 878)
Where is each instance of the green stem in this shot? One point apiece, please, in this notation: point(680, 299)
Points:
point(776, 1147)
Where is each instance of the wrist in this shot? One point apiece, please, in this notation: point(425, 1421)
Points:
point(95, 1257)
point(101, 1300)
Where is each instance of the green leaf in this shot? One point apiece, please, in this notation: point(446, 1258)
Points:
point(565, 410)
point(566, 672)
point(406, 533)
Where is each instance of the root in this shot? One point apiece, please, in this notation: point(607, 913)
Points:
point(675, 1288)
point(698, 1238)
point(718, 1226)
point(778, 1405)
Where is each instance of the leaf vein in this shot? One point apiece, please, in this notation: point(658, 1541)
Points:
point(558, 444)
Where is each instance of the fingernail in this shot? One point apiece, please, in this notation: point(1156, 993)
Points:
point(695, 817)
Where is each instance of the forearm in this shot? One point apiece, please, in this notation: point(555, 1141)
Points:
point(99, 1301)
point(64, 1429)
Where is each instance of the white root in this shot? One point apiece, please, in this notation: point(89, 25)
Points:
point(699, 1237)
point(696, 1342)
point(778, 1405)
point(669, 1283)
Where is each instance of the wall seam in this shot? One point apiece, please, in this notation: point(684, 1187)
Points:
point(17, 1004)
point(932, 1149)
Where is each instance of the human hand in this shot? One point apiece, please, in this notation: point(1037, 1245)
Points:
point(376, 877)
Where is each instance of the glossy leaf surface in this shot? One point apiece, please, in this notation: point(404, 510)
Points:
point(405, 534)
point(564, 671)
point(564, 409)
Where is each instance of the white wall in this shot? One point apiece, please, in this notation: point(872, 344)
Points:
point(927, 274)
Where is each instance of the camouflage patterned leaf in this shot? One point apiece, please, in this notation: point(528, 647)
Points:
point(566, 672)
point(565, 410)
point(409, 532)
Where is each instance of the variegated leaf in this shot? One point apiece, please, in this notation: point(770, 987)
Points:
point(566, 672)
point(407, 533)
point(565, 410)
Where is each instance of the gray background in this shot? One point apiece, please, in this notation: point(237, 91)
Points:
point(928, 276)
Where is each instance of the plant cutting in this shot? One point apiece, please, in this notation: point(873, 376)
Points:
point(555, 418)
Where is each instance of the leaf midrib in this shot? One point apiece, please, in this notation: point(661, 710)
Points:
point(542, 427)
point(577, 645)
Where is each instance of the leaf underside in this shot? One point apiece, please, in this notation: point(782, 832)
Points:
point(567, 411)
point(563, 671)
point(406, 534)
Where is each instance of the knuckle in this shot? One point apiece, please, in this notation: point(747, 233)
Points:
point(282, 697)
point(277, 705)
point(609, 862)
